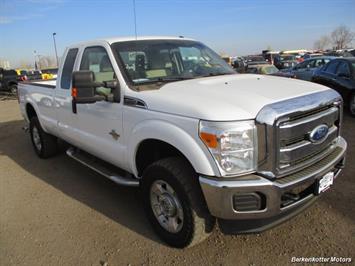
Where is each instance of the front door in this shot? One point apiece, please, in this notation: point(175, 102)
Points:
point(100, 124)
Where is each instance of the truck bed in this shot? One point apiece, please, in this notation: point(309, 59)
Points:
point(42, 83)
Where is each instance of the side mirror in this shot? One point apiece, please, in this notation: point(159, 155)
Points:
point(84, 89)
point(84, 86)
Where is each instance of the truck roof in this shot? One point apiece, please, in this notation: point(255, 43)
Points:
point(111, 40)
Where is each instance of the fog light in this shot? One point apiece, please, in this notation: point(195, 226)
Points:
point(244, 202)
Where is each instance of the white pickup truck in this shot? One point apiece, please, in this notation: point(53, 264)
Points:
point(205, 144)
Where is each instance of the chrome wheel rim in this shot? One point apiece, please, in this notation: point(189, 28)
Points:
point(166, 206)
point(36, 138)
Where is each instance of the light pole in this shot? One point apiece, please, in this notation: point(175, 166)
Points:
point(55, 48)
point(35, 54)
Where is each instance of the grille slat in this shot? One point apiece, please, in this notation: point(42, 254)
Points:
point(294, 146)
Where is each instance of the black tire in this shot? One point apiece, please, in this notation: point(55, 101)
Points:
point(197, 223)
point(48, 143)
point(13, 89)
point(352, 104)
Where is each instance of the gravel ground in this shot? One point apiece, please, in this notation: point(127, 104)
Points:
point(58, 212)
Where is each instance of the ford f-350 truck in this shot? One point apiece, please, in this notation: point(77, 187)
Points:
point(205, 144)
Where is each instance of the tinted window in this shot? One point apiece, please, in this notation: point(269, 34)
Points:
point(96, 60)
point(331, 67)
point(321, 62)
point(301, 65)
point(68, 68)
point(10, 73)
point(343, 69)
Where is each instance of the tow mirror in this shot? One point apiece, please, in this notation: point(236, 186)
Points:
point(84, 89)
point(84, 85)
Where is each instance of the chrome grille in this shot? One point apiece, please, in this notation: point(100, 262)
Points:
point(283, 128)
point(295, 149)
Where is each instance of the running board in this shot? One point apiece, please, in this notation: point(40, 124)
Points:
point(103, 168)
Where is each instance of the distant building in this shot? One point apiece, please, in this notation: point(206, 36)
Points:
point(4, 64)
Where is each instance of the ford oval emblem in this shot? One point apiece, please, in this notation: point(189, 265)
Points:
point(318, 133)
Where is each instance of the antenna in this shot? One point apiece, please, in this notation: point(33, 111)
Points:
point(135, 18)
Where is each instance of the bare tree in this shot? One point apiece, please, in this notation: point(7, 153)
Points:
point(322, 43)
point(342, 37)
point(46, 61)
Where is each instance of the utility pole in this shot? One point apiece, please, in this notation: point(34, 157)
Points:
point(55, 48)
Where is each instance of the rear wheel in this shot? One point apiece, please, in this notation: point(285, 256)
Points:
point(44, 144)
point(352, 104)
point(174, 203)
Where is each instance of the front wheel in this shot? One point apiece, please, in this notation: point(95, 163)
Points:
point(352, 104)
point(174, 203)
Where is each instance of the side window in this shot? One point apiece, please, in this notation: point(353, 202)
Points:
point(343, 68)
point(331, 67)
point(310, 63)
point(301, 65)
point(96, 59)
point(68, 69)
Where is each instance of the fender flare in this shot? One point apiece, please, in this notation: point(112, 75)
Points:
point(176, 137)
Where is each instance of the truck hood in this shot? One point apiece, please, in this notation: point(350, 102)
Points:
point(224, 98)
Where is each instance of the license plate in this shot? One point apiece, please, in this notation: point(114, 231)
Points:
point(325, 182)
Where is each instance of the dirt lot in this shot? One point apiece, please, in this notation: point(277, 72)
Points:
point(58, 212)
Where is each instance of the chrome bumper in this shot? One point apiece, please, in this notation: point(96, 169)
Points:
point(219, 192)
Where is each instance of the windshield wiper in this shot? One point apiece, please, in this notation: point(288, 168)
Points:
point(216, 74)
point(161, 79)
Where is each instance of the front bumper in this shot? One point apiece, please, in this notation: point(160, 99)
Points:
point(277, 204)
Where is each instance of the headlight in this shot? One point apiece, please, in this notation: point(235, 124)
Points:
point(232, 144)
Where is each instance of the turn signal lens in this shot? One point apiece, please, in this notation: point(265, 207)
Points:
point(209, 139)
point(74, 92)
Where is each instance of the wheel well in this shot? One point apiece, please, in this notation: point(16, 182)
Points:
point(12, 83)
point(152, 150)
point(30, 111)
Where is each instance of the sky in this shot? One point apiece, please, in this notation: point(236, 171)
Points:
point(234, 27)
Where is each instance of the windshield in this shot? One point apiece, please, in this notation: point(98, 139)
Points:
point(150, 61)
point(287, 57)
point(271, 69)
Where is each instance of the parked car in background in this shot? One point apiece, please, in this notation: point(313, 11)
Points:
point(255, 60)
point(34, 75)
point(49, 73)
point(22, 74)
point(339, 74)
point(270, 55)
point(285, 61)
point(306, 69)
point(308, 56)
point(228, 59)
point(239, 64)
point(264, 69)
point(8, 80)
